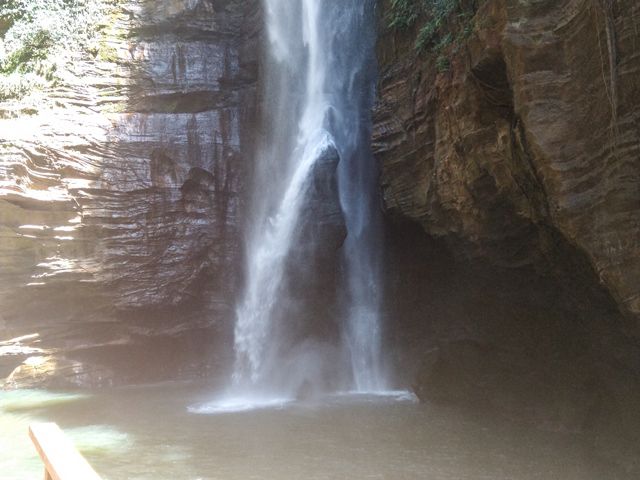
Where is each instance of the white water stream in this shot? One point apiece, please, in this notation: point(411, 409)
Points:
point(319, 87)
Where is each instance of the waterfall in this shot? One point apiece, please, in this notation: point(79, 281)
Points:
point(319, 89)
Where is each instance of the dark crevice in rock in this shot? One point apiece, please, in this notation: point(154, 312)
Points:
point(530, 183)
point(184, 102)
point(177, 33)
point(490, 74)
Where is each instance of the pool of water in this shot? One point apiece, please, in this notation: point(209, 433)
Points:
point(167, 432)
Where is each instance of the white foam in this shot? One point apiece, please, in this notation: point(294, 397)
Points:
point(247, 404)
point(395, 395)
point(238, 405)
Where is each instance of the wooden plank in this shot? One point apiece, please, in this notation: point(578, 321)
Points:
point(61, 459)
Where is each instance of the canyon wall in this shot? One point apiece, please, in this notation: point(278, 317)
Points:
point(538, 117)
point(510, 175)
point(121, 191)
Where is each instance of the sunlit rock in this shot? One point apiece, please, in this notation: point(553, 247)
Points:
point(120, 189)
point(56, 372)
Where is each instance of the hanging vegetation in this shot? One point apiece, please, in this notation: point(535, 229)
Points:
point(441, 25)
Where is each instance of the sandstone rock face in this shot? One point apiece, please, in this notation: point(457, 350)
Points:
point(535, 126)
point(510, 183)
point(56, 372)
point(120, 194)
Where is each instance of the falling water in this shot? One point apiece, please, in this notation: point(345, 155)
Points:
point(320, 76)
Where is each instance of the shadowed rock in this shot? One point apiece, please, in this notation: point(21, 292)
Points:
point(510, 183)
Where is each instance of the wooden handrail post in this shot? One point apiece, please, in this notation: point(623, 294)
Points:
point(61, 459)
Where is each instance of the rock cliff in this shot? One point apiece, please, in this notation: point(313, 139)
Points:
point(121, 187)
point(509, 171)
point(510, 156)
point(535, 125)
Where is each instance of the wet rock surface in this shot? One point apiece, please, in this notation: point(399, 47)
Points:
point(120, 195)
point(313, 275)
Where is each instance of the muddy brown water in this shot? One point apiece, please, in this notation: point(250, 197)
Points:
point(149, 432)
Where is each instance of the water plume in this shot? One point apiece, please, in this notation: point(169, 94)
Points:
point(319, 89)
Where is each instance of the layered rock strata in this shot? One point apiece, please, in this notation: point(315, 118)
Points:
point(535, 126)
point(120, 194)
point(510, 176)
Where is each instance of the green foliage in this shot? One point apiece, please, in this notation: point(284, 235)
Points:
point(34, 47)
point(439, 12)
point(442, 64)
point(442, 25)
point(35, 38)
point(404, 13)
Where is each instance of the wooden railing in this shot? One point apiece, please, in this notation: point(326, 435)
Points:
point(61, 459)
